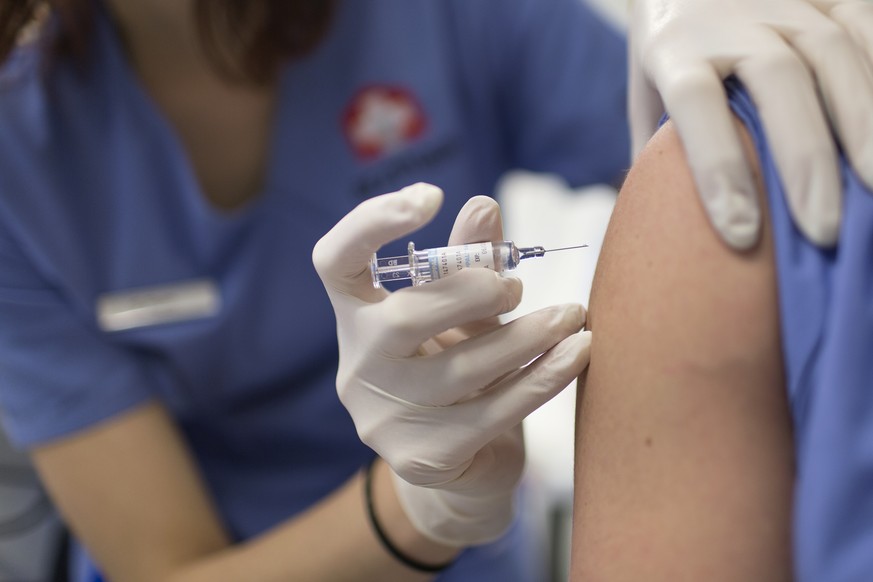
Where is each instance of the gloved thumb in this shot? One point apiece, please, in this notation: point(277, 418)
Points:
point(342, 255)
point(478, 221)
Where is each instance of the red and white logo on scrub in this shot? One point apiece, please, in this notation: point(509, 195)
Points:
point(382, 119)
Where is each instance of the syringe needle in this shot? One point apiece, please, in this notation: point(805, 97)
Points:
point(564, 248)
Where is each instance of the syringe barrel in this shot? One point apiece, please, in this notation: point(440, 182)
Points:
point(438, 263)
point(506, 256)
point(432, 264)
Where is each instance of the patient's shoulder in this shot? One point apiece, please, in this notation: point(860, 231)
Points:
point(683, 438)
point(662, 260)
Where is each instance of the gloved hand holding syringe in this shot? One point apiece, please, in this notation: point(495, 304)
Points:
point(434, 381)
point(424, 266)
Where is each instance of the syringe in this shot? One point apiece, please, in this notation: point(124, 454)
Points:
point(431, 264)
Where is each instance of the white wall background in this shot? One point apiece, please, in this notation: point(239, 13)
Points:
point(541, 210)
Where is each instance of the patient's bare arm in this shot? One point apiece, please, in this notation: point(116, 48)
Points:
point(684, 460)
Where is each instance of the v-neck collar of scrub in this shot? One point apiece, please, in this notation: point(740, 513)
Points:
point(144, 106)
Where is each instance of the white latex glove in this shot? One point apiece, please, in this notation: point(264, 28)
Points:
point(435, 385)
point(807, 66)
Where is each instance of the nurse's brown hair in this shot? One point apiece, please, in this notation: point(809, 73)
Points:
point(246, 40)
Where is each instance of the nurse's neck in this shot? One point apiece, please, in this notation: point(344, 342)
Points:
point(224, 125)
point(161, 40)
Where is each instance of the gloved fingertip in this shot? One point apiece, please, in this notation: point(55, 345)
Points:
point(741, 236)
point(484, 212)
point(482, 202)
point(815, 200)
point(822, 230)
point(583, 339)
point(575, 314)
point(478, 220)
point(514, 285)
point(479, 213)
point(426, 197)
point(575, 352)
point(864, 166)
point(736, 216)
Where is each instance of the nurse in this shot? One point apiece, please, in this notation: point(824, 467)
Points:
point(168, 354)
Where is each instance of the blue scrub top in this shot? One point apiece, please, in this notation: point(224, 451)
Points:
point(826, 310)
point(97, 196)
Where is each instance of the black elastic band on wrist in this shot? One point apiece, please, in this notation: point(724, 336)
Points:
point(380, 533)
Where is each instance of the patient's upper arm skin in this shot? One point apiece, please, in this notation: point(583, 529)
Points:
point(684, 459)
